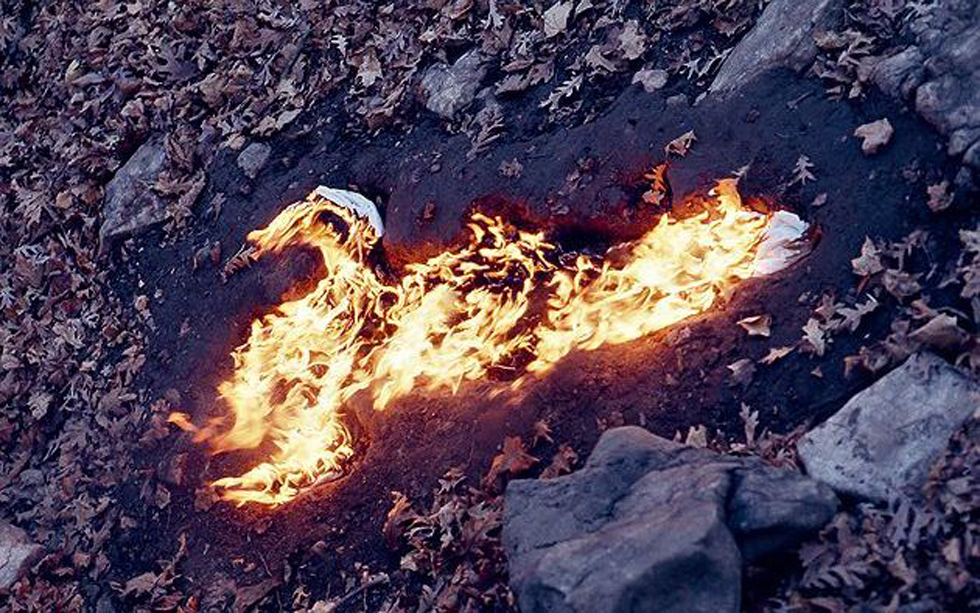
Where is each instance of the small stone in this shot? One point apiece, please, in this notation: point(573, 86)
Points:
point(17, 554)
point(874, 135)
point(677, 101)
point(253, 158)
point(651, 79)
point(131, 206)
point(446, 90)
point(882, 443)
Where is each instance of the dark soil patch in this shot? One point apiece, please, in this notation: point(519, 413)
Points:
point(669, 381)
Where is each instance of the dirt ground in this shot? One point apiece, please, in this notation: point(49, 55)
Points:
point(668, 382)
point(102, 339)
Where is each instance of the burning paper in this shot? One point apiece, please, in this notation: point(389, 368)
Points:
point(453, 318)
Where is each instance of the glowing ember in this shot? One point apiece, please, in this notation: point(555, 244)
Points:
point(506, 302)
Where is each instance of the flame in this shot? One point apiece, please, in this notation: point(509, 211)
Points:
point(507, 302)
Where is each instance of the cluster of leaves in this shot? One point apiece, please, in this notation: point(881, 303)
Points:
point(451, 555)
point(870, 28)
point(923, 552)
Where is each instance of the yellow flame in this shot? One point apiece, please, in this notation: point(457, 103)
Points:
point(504, 302)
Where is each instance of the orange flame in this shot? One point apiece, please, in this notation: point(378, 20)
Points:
point(450, 319)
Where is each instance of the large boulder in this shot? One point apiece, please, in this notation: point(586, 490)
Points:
point(130, 205)
point(783, 37)
point(17, 553)
point(881, 444)
point(940, 74)
point(651, 525)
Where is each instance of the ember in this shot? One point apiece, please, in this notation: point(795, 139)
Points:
point(508, 305)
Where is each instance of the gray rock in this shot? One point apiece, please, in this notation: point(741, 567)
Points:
point(882, 443)
point(943, 70)
point(651, 525)
point(445, 90)
point(899, 74)
point(17, 554)
point(783, 36)
point(130, 205)
point(253, 158)
point(774, 509)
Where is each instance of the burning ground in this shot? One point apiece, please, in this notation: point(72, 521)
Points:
point(102, 347)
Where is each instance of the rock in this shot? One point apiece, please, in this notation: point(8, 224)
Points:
point(899, 74)
point(882, 443)
point(874, 135)
point(774, 509)
point(130, 205)
point(677, 101)
point(943, 71)
point(651, 79)
point(253, 158)
point(783, 36)
point(651, 525)
point(17, 554)
point(446, 90)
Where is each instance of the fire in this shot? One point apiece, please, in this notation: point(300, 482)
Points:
point(507, 305)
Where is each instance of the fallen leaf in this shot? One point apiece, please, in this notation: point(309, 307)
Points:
point(901, 284)
point(511, 169)
point(854, 315)
point(562, 463)
point(869, 262)
point(939, 196)
point(942, 332)
point(399, 514)
point(632, 40)
point(542, 432)
point(813, 337)
point(776, 353)
point(595, 58)
point(802, 171)
point(874, 135)
point(513, 459)
point(756, 325)
point(556, 18)
point(697, 436)
point(680, 145)
point(742, 371)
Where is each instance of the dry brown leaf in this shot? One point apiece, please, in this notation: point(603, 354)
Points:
point(814, 340)
point(742, 371)
point(756, 325)
point(874, 135)
point(939, 196)
point(777, 353)
point(398, 515)
point(556, 18)
point(562, 463)
point(513, 459)
point(697, 436)
point(942, 332)
point(869, 262)
point(802, 171)
point(681, 145)
point(632, 40)
point(542, 432)
point(901, 284)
